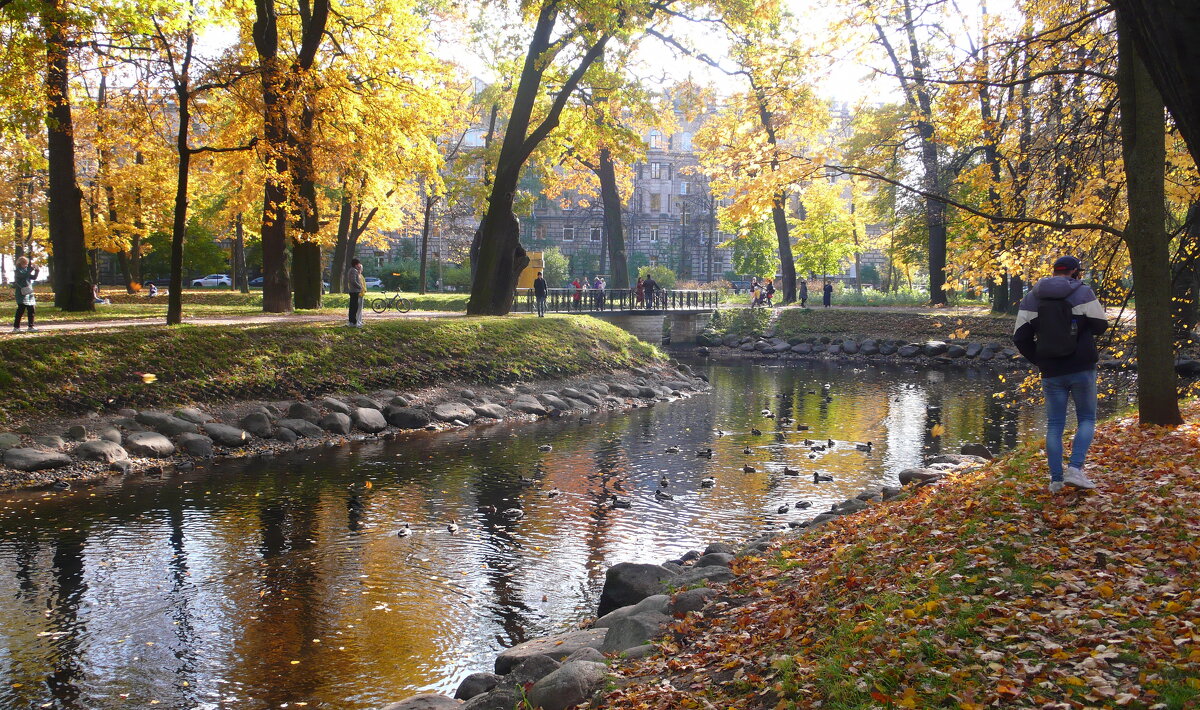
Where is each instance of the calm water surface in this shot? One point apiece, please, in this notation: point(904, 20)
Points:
point(256, 584)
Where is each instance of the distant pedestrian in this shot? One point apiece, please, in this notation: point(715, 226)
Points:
point(602, 285)
point(597, 293)
point(1055, 330)
point(828, 297)
point(539, 294)
point(804, 294)
point(578, 298)
point(23, 277)
point(769, 293)
point(650, 286)
point(639, 292)
point(755, 292)
point(355, 286)
point(152, 291)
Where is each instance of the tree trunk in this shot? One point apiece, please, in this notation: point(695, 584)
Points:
point(787, 264)
point(1185, 283)
point(306, 248)
point(69, 262)
point(337, 270)
point(241, 277)
point(184, 158)
point(426, 227)
point(306, 268)
point(610, 197)
point(1143, 146)
point(277, 284)
point(135, 241)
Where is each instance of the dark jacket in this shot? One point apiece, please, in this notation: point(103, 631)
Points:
point(539, 287)
point(1087, 311)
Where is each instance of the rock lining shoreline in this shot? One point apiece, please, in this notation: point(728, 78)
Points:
point(153, 442)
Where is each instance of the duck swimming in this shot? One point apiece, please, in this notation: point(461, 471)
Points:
point(545, 447)
point(803, 504)
point(783, 509)
point(791, 471)
point(704, 453)
point(553, 493)
point(746, 450)
point(708, 482)
point(663, 482)
point(619, 502)
point(452, 527)
point(756, 432)
point(514, 513)
point(749, 469)
point(663, 495)
point(821, 477)
point(672, 449)
point(863, 447)
point(486, 509)
point(404, 531)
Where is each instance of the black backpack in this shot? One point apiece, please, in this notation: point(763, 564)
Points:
point(1057, 329)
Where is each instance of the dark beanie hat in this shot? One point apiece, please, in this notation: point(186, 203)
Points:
point(1067, 263)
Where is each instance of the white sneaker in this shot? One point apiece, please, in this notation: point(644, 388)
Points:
point(16, 330)
point(1074, 477)
point(1056, 486)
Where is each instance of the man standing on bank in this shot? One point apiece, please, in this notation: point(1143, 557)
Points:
point(1055, 330)
point(355, 286)
point(539, 294)
point(827, 299)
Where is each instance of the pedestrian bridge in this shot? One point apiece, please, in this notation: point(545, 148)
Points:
point(680, 314)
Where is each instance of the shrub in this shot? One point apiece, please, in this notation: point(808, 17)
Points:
point(662, 275)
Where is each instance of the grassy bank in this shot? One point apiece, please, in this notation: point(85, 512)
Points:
point(198, 303)
point(66, 374)
point(984, 592)
point(903, 324)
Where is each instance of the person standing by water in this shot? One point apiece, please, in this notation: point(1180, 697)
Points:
point(649, 286)
point(1055, 330)
point(23, 277)
point(578, 298)
point(804, 294)
point(828, 297)
point(539, 294)
point(639, 293)
point(355, 286)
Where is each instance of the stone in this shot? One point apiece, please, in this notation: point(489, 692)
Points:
point(919, 476)
point(25, 459)
point(127, 412)
point(258, 424)
point(368, 420)
point(986, 355)
point(1187, 368)
point(722, 547)
point(933, 348)
point(108, 433)
point(174, 426)
point(400, 400)
point(50, 442)
point(532, 670)
point(568, 686)
point(703, 575)
point(890, 492)
point(287, 436)
point(197, 445)
point(490, 411)
point(956, 459)
point(406, 417)
point(499, 699)
point(973, 350)
point(634, 631)
point(823, 518)
point(426, 701)
point(850, 347)
point(656, 603)
point(629, 583)
point(691, 600)
point(639, 651)
point(302, 427)
point(867, 348)
point(852, 506)
point(193, 415)
point(979, 450)
point(802, 348)
point(571, 392)
point(888, 349)
point(556, 403)
point(526, 404)
point(586, 654)
point(476, 684)
point(715, 559)
point(556, 647)
point(226, 435)
point(365, 403)
point(909, 351)
point(9, 440)
point(150, 444)
point(305, 411)
point(955, 351)
point(152, 418)
point(100, 450)
point(76, 433)
point(335, 423)
point(122, 466)
point(334, 405)
point(449, 411)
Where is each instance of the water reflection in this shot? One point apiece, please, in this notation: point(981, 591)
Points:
point(261, 583)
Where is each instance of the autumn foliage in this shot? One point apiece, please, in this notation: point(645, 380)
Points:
point(986, 591)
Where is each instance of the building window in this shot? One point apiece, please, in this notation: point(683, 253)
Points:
point(655, 202)
point(540, 232)
point(683, 188)
point(655, 140)
point(685, 141)
point(653, 260)
point(595, 234)
point(654, 234)
point(682, 217)
point(655, 171)
point(568, 234)
point(474, 138)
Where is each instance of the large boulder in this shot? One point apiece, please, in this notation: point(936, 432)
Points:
point(505, 698)
point(955, 459)
point(368, 419)
point(557, 647)
point(150, 444)
point(526, 404)
point(449, 411)
point(490, 411)
point(568, 686)
point(426, 701)
point(9, 440)
point(287, 436)
point(979, 450)
point(887, 349)
point(197, 445)
point(933, 348)
point(850, 347)
point(657, 603)
point(258, 424)
point(365, 403)
point(108, 433)
point(532, 670)
point(334, 405)
point(406, 417)
point(955, 351)
point(691, 600)
point(629, 583)
point(176, 426)
point(715, 559)
point(152, 418)
point(476, 684)
point(24, 459)
point(305, 411)
point(52, 442)
point(193, 415)
point(704, 575)
point(100, 450)
point(226, 435)
point(972, 350)
point(302, 427)
point(335, 423)
point(634, 630)
point(919, 476)
point(555, 402)
point(76, 433)
point(909, 351)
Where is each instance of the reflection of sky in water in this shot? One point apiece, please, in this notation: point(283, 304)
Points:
point(256, 584)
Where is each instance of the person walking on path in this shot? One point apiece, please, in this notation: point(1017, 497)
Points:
point(355, 286)
point(539, 294)
point(828, 297)
point(23, 278)
point(804, 294)
point(1055, 330)
point(769, 294)
point(649, 286)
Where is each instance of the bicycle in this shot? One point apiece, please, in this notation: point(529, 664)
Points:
point(404, 305)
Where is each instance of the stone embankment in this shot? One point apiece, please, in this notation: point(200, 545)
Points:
point(637, 602)
point(151, 441)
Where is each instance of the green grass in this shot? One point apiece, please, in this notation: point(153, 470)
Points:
point(917, 324)
point(72, 373)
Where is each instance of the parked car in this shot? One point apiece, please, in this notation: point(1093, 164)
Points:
point(212, 280)
point(161, 282)
point(256, 282)
point(371, 281)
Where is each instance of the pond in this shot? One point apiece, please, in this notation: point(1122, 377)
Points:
point(266, 584)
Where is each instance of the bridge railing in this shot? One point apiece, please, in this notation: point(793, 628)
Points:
point(570, 300)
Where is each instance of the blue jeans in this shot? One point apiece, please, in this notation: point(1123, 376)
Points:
point(541, 306)
point(1081, 387)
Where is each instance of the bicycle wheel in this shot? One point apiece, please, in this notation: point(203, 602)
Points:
point(403, 305)
point(379, 305)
